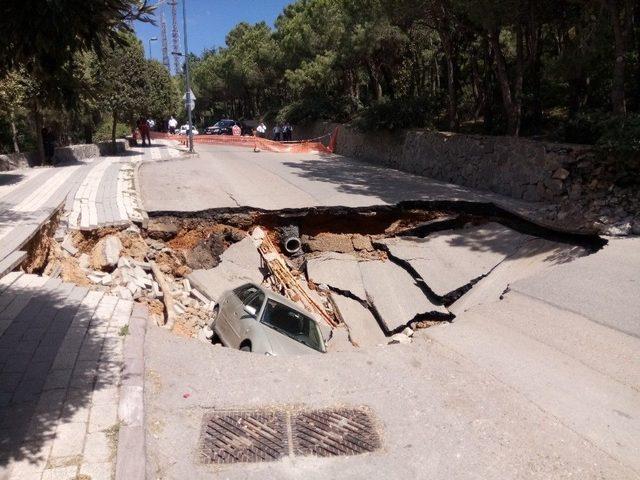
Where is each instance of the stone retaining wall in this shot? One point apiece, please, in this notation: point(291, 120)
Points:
point(72, 153)
point(516, 167)
point(579, 184)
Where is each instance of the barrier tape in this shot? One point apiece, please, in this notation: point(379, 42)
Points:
point(312, 145)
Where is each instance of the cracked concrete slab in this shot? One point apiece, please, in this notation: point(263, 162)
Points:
point(394, 294)
point(243, 253)
point(451, 259)
point(364, 330)
point(239, 264)
point(339, 271)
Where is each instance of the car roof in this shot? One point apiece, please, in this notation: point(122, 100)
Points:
point(282, 299)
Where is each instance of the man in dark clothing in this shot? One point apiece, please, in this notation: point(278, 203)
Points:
point(48, 141)
point(143, 126)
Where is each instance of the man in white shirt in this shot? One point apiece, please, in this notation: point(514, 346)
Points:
point(173, 124)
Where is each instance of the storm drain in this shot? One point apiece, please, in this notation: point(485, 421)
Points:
point(334, 432)
point(268, 435)
point(245, 437)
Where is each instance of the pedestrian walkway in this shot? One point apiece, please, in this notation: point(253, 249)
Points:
point(61, 358)
point(29, 203)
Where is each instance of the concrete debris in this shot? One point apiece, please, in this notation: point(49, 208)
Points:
point(161, 230)
point(186, 285)
point(408, 332)
point(106, 253)
point(362, 243)
point(328, 242)
point(84, 261)
point(67, 244)
point(399, 338)
point(364, 330)
point(205, 334)
point(339, 271)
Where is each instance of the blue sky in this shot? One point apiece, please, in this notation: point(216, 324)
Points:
point(209, 21)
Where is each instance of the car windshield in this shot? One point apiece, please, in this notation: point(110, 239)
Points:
point(224, 123)
point(293, 324)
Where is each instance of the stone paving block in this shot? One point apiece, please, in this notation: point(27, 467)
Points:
point(97, 471)
point(57, 379)
point(64, 473)
point(75, 412)
point(69, 439)
point(105, 396)
point(97, 448)
point(103, 417)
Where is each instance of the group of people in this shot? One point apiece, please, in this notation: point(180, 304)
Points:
point(283, 132)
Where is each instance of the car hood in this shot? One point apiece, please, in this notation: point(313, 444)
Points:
point(283, 345)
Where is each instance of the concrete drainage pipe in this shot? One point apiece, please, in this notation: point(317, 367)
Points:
point(290, 239)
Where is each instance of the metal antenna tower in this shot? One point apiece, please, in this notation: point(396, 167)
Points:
point(175, 36)
point(165, 46)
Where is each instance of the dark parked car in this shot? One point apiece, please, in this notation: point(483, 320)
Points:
point(223, 127)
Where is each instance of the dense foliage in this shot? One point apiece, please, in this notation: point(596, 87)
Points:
point(557, 68)
point(71, 65)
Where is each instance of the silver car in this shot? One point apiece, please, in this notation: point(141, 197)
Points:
point(254, 319)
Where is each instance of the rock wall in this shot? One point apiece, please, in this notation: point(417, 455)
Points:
point(516, 167)
point(72, 153)
point(580, 184)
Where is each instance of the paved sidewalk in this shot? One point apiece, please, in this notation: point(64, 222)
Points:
point(61, 361)
point(27, 201)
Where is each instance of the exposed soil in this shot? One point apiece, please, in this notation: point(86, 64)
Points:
point(179, 245)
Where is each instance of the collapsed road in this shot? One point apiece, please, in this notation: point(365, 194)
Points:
point(370, 276)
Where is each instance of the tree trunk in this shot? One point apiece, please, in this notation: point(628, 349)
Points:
point(618, 100)
point(37, 121)
point(510, 99)
point(114, 124)
point(452, 93)
point(14, 134)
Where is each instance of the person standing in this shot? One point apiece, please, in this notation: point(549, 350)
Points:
point(277, 132)
point(143, 126)
point(287, 132)
point(48, 142)
point(262, 130)
point(173, 124)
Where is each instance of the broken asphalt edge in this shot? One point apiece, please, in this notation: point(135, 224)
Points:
point(131, 450)
point(589, 238)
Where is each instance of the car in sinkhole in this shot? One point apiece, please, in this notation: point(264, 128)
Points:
point(254, 319)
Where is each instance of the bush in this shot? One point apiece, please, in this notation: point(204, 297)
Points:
point(607, 132)
point(398, 113)
point(103, 132)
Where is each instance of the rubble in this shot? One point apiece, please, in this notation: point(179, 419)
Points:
point(106, 253)
point(339, 271)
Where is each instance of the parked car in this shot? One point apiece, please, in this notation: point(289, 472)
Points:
point(254, 319)
point(223, 127)
point(184, 130)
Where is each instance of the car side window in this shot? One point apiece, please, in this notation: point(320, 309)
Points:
point(245, 292)
point(255, 301)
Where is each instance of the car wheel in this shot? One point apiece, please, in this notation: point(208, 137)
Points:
point(245, 348)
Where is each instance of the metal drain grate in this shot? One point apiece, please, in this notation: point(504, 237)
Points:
point(334, 432)
point(245, 437)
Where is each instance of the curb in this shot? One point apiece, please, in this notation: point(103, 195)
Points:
point(136, 185)
point(131, 451)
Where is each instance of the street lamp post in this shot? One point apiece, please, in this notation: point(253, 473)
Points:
point(186, 74)
point(152, 39)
